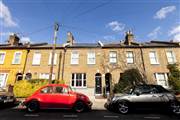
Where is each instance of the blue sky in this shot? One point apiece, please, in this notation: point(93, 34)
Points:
point(90, 20)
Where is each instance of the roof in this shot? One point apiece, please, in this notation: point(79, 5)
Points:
point(150, 44)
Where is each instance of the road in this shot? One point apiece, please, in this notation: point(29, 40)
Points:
point(13, 113)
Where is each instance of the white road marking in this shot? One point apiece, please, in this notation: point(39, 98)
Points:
point(155, 117)
point(70, 116)
point(31, 115)
point(108, 116)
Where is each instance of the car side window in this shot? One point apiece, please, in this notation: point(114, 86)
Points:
point(59, 89)
point(142, 90)
point(46, 90)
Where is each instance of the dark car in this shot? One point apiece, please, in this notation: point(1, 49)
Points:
point(144, 96)
point(57, 96)
point(6, 97)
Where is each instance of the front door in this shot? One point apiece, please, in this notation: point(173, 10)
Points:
point(98, 84)
point(108, 78)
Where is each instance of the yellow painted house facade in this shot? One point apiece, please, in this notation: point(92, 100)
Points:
point(12, 62)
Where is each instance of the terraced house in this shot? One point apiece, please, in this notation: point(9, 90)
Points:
point(91, 68)
point(12, 61)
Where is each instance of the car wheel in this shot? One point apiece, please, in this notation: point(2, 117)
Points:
point(79, 106)
point(33, 106)
point(175, 107)
point(123, 107)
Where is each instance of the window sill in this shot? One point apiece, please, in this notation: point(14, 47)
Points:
point(15, 63)
point(155, 64)
point(35, 64)
point(78, 87)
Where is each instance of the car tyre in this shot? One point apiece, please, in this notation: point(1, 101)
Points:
point(123, 107)
point(79, 107)
point(175, 107)
point(32, 106)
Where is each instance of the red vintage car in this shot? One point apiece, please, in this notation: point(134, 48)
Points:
point(57, 96)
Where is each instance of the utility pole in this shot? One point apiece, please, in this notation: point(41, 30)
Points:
point(56, 28)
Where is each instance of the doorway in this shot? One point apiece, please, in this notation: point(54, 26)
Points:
point(98, 83)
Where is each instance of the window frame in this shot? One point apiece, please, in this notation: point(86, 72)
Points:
point(74, 58)
point(111, 57)
point(55, 58)
point(33, 61)
point(19, 62)
point(2, 62)
point(6, 78)
point(83, 80)
point(173, 57)
point(91, 58)
point(155, 58)
point(128, 57)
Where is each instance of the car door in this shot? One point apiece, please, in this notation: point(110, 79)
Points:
point(60, 97)
point(45, 97)
point(141, 97)
point(159, 97)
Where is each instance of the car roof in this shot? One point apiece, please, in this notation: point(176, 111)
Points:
point(63, 85)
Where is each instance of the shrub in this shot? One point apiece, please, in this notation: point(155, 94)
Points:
point(25, 88)
point(128, 79)
point(174, 76)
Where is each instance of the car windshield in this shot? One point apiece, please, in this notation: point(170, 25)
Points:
point(129, 90)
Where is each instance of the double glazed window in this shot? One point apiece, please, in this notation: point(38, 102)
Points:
point(78, 80)
point(153, 57)
point(91, 58)
point(46, 76)
point(74, 57)
point(55, 58)
point(129, 57)
point(170, 57)
point(36, 58)
point(113, 57)
point(2, 57)
point(17, 58)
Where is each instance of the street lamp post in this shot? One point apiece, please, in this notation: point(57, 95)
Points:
point(56, 28)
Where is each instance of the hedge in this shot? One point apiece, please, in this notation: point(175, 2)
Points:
point(25, 88)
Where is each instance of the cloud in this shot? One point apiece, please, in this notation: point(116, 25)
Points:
point(155, 33)
point(116, 26)
point(5, 16)
point(162, 13)
point(109, 37)
point(175, 32)
point(25, 39)
point(5, 33)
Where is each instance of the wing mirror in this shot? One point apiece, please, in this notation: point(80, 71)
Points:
point(137, 93)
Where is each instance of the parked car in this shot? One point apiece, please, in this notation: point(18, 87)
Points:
point(144, 96)
point(6, 97)
point(57, 96)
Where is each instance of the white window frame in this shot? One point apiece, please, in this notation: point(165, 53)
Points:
point(2, 62)
point(74, 58)
point(55, 58)
point(159, 80)
point(91, 57)
point(4, 82)
point(19, 62)
point(82, 80)
point(46, 76)
point(129, 58)
point(155, 58)
point(172, 57)
point(34, 61)
point(113, 57)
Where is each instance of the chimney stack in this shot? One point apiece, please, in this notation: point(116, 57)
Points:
point(70, 38)
point(129, 38)
point(13, 40)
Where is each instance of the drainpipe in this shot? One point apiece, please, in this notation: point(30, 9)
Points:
point(25, 62)
point(142, 58)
